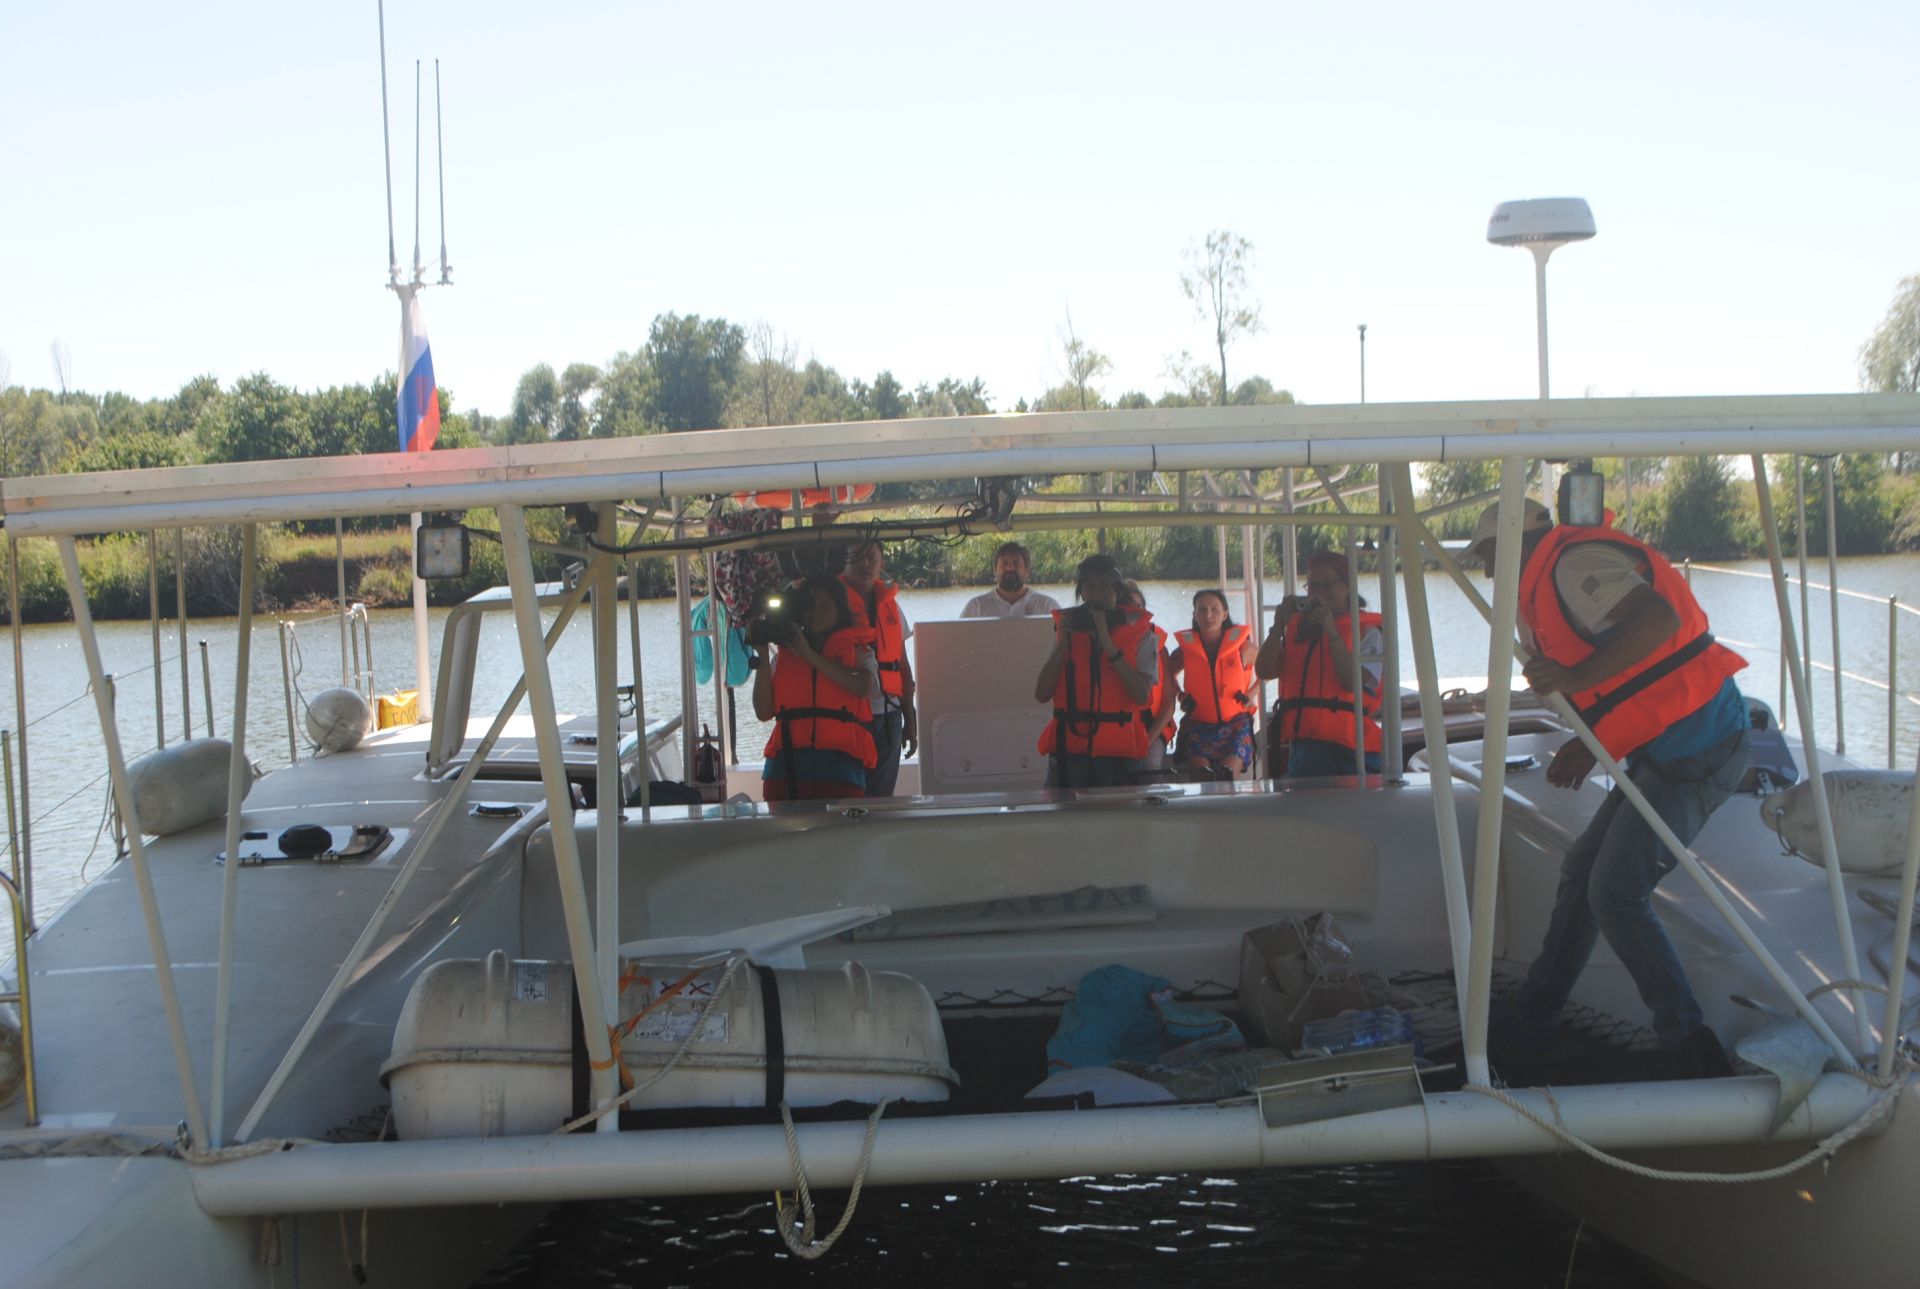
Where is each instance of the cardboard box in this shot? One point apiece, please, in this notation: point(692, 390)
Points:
point(1292, 972)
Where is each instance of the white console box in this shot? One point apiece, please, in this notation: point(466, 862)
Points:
point(979, 725)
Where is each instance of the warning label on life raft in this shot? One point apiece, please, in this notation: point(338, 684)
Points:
point(672, 1022)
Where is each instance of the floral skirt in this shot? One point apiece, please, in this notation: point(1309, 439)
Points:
point(1217, 742)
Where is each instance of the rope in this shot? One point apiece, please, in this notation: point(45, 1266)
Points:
point(700, 1022)
point(1881, 1108)
point(796, 1230)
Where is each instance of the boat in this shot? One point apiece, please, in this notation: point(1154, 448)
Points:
point(386, 1063)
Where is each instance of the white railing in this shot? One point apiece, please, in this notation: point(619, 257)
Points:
point(1889, 686)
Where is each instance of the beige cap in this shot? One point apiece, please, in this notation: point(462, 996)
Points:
point(1534, 519)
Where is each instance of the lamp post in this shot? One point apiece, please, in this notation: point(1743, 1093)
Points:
point(1363, 362)
point(1542, 225)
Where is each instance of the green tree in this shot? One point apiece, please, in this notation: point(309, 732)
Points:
point(536, 406)
point(769, 389)
point(139, 450)
point(695, 362)
point(260, 420)
point(951, 397)
point(181, 414)
point(1890, 360)
point(1454, 481)
point(1215, 282)
point(1081, 364)
point(1864, 511)
point(883, 400)
point(1696, 512)
point(626, 398)
point(578, 384)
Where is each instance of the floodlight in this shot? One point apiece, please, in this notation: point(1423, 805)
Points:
point(441, 549)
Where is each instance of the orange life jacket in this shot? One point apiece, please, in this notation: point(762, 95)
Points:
point(1674, 681)
point(1315, 702)
point(1222, 686)
point(1159, 693)
point(879, 609)
point(812, 711)
point(1092, 714)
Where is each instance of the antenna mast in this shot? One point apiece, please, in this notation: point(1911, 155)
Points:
point(386, 148)
point(440, 162)
point(416, 171)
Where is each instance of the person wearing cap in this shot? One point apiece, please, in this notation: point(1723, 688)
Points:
point(875, 602)
point(1011, 597)
point(1310, 652)
point(1099, 676)
point(1613, 627)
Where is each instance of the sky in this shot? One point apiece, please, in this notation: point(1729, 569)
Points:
point(935, 189)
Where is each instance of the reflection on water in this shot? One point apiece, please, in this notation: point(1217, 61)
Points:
point(1432, 1224)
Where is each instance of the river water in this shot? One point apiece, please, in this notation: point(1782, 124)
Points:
point(1451, 1224)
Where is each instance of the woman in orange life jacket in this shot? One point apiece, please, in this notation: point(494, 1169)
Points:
point(1310, 652)
point(1157, 715)
point(1099, 676)
point(1215, 659)
point(815, 693)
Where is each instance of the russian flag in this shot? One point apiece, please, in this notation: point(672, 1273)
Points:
point(419, 396)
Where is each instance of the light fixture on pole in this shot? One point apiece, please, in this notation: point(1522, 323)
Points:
point(1363, 362)
point(1542, 225)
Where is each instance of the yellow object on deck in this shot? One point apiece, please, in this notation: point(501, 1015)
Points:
point(402, 707)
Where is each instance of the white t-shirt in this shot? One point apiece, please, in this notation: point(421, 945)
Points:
point(1034, 604)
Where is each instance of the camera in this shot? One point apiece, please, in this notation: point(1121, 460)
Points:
point(1293, 604)
point(778, 614)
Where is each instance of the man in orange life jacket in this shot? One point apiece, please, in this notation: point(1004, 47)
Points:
point(1614, 628)
point(1309, 651)
point(1100, 675)
point(875, 603)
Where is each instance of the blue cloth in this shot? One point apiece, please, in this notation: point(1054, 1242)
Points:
point(737, 672)
point(817, 765)
point(1713, 722)
point(1119, 1014)
point(1606, 888)
point(1314, 758)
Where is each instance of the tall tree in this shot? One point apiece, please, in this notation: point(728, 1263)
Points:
point(1082, 364)
point(260, 420)
point(536, 405)
point(578, 384)
point(1215, 282)
point(626, 397)
point(1890, 360)
point(770, 389)
point(1697, 511)
point(695, 362)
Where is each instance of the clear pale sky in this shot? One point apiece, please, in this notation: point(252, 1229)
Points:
point(930, 188)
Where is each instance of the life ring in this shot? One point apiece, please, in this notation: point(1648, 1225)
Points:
point(782, 498)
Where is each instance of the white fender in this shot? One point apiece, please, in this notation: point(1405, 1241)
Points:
point(337, 719)
point(1869, 808)
point(183, 786)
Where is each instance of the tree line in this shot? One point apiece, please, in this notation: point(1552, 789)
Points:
point(692, 372)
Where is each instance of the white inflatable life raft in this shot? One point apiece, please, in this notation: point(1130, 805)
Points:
point(487, 1048)
point(1870, 809)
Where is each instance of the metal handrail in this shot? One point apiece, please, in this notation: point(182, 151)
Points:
point(20, 996)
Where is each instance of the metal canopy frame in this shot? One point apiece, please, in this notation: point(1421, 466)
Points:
point(668, 466)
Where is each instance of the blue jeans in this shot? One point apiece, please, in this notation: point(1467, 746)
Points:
point(1606, 888)
point(1313, 758)
point(889, 730)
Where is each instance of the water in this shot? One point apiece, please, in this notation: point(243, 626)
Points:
point(1438, 1224)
